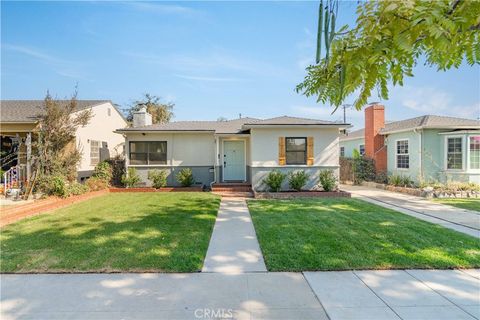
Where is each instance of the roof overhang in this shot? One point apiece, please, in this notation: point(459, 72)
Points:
point(162, 131)
point(459, 132)
point(351, 139)
point(296, 126)
point(425, 127)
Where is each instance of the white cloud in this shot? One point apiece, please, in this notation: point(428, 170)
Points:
point(431, 100)
point(162, 8)
point(325, 113)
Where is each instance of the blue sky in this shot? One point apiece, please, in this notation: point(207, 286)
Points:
point(211, 59)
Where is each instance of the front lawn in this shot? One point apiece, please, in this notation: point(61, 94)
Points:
point(116, 232)
point(343, 234)
point(463, 203)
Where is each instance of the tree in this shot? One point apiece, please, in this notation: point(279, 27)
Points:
point(56, 152)
point(222, 119)
point(386, 43)
point(161, 112)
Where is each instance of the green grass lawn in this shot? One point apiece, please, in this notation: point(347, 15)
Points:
point(343, 234)
point(116, 232)
point(469, 204)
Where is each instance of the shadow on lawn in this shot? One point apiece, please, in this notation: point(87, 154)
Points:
point(332, 234)
point(139, 235)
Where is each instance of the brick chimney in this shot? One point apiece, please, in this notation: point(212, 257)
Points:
point(374, 142)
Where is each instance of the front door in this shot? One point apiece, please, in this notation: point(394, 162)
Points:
point(234, 160)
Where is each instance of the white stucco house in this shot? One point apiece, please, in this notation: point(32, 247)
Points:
point(97, 140)
point(242, 150)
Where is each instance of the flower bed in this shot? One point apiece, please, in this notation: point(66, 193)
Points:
point(164, 189)
point(301, 194)
point(427, 192)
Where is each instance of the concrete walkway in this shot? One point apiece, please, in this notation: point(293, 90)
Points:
point(461, 220)
point(234, 246)
point(369, 295)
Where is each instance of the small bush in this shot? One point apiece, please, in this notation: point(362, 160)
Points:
point(400, 181)
point(103, 171)
point(327, 180)
point(185, 177)
point(75, 189)
point(381, 177)
point(297, 180)
point(96, 184)
point(363, 169)
point(131, 178)
point(274, 180)
point(158, 178)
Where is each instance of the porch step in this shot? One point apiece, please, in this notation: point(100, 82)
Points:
point(234, 194)
point(231, 187)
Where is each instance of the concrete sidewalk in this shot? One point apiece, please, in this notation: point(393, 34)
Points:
point(345, 295)
point(450, 217)
point(233, 246)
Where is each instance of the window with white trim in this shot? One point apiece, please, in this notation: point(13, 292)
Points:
point(402, 155)
point(148, 152)
point(454, 153)
point(342, 152)
point(474, 145)
point(94, 152)
point(362, 149)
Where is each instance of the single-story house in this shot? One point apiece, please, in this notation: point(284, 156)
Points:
point(96, 140)
point(242, 150)
point(428, 148)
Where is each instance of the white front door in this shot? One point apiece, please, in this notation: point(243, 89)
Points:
point(234, 160)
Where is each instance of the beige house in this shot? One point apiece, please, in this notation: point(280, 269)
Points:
point(96, 140)
point(241, 150)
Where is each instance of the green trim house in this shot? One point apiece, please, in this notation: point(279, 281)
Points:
point(427, 148)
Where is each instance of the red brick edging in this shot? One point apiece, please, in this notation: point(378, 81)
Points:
point(16, 213)
point(165, 189)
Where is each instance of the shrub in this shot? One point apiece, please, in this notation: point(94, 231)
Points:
point(274, 180)
point(327, 180)
point(185, 177)
point(96, 183)
point(400, 181)
point(103, 171)
point(381, 177)
point(131, 178)
point(297, 180)
point(75, 189)
point(158, 178)
point(363, 169)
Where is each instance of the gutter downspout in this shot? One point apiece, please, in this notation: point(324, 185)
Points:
point(420, 137)
point(215, 163)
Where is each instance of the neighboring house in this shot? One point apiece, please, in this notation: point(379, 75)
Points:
point(427, 148)
point(96, 140)
point(241, 150)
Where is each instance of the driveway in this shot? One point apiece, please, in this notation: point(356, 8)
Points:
point(369, 295)
point(450, 217)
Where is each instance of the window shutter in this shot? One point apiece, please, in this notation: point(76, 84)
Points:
point(310, 157)
point(281, 151)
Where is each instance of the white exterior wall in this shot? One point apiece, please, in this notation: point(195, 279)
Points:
point(101, 128)
point(264, 153)
point(264, 145)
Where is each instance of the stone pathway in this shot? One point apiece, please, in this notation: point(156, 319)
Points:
point(397, 294)
point(234, 246)
point(461, 220)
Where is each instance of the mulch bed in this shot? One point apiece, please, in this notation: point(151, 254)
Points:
point(301, 194)
point(166, 189)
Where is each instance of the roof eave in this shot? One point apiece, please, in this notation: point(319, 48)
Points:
point(316, 125)
point(426, 127)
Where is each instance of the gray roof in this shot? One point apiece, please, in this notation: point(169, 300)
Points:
point(235, 126)
point(422, 122)
point(29, 110)
point(430, 121)
point(226, 127)
point(286, 120)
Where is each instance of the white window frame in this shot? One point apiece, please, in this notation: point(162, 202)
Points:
point(403, 154)
point(99, 146)
point(464, 153)
point(469, 168)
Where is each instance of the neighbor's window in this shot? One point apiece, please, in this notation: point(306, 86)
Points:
point(148, 152)
point(403, 157)
point(296, 150)
point(342, 151)
point(475, 152)
point(362, 149)
point(454, 153)
point(94, 152)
